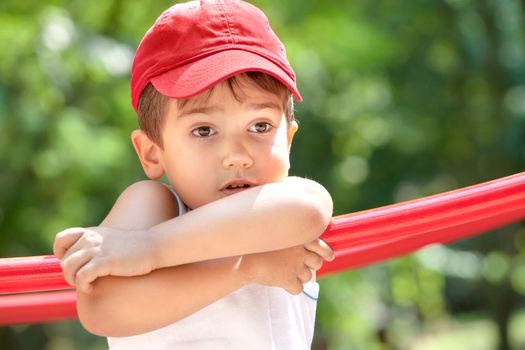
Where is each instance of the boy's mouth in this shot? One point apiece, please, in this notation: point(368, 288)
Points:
point(231, 187)
point(236, 186)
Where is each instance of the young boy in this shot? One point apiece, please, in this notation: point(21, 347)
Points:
point(225, 258)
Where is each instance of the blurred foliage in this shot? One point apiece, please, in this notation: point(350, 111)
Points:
point(401, 100)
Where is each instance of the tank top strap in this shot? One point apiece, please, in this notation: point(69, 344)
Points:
point(183, 209)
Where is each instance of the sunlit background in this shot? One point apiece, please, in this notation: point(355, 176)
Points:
point(402, 99)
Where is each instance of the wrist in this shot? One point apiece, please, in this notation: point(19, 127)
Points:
point(243, 269)
point(154, 244)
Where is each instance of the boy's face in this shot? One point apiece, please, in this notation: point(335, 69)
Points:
point(214, 145)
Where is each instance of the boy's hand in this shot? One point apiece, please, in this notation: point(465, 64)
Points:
point(88, 253)
point(287, 268)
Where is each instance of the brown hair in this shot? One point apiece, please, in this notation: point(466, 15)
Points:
point(152, 105)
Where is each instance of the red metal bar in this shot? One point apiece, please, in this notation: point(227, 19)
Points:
point(31, 274)
point(374, 235)
point(38, 308)
point(358, 239)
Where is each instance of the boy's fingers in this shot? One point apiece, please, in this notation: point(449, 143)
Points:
point(320, 248)
point(65, 239)
point(313, 261)
point(73, 263)
point(87, 275)
point(305, 275)
point(88, 239)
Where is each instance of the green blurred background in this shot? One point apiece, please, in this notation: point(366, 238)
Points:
point(402, 99)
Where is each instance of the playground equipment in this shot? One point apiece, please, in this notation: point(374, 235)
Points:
point(36, 291)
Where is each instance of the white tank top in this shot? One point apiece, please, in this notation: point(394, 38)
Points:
point(254, 317)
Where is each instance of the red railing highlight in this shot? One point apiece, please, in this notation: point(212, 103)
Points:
point(358, 239)
point(31, 274)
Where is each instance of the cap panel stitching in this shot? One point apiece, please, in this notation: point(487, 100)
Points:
point(225, 18)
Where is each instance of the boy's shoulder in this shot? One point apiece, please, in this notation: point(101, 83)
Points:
point(149, 200)
point(146, 188)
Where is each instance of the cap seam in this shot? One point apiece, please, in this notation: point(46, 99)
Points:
point(228, 26)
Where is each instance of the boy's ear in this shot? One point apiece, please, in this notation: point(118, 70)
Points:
point(149, 154)
point(292, 129)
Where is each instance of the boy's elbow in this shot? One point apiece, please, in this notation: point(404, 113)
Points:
point(90, 316)
point(316, 209)
point(112, 309)
point(93, 316)
point(322, 211)
point(96, 315)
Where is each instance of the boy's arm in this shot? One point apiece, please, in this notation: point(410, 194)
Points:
point(126, 306)
point(265, 218)
point(268, 217)
point(120, 306)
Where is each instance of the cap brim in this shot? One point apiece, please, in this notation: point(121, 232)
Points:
point(198, 76)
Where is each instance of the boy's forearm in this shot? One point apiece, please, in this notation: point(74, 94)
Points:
point(265, 218)
point(158, 299)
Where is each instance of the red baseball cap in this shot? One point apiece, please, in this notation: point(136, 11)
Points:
point(195, 45)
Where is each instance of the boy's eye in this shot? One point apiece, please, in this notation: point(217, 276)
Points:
point(260, 127)
point(203, 131)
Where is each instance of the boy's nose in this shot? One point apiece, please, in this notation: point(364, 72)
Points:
point(237, 156)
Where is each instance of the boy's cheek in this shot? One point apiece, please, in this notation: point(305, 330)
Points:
point(280, 171)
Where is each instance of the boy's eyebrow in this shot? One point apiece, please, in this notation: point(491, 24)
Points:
point(264, 105)
point(211, 109)
point(200, 109)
